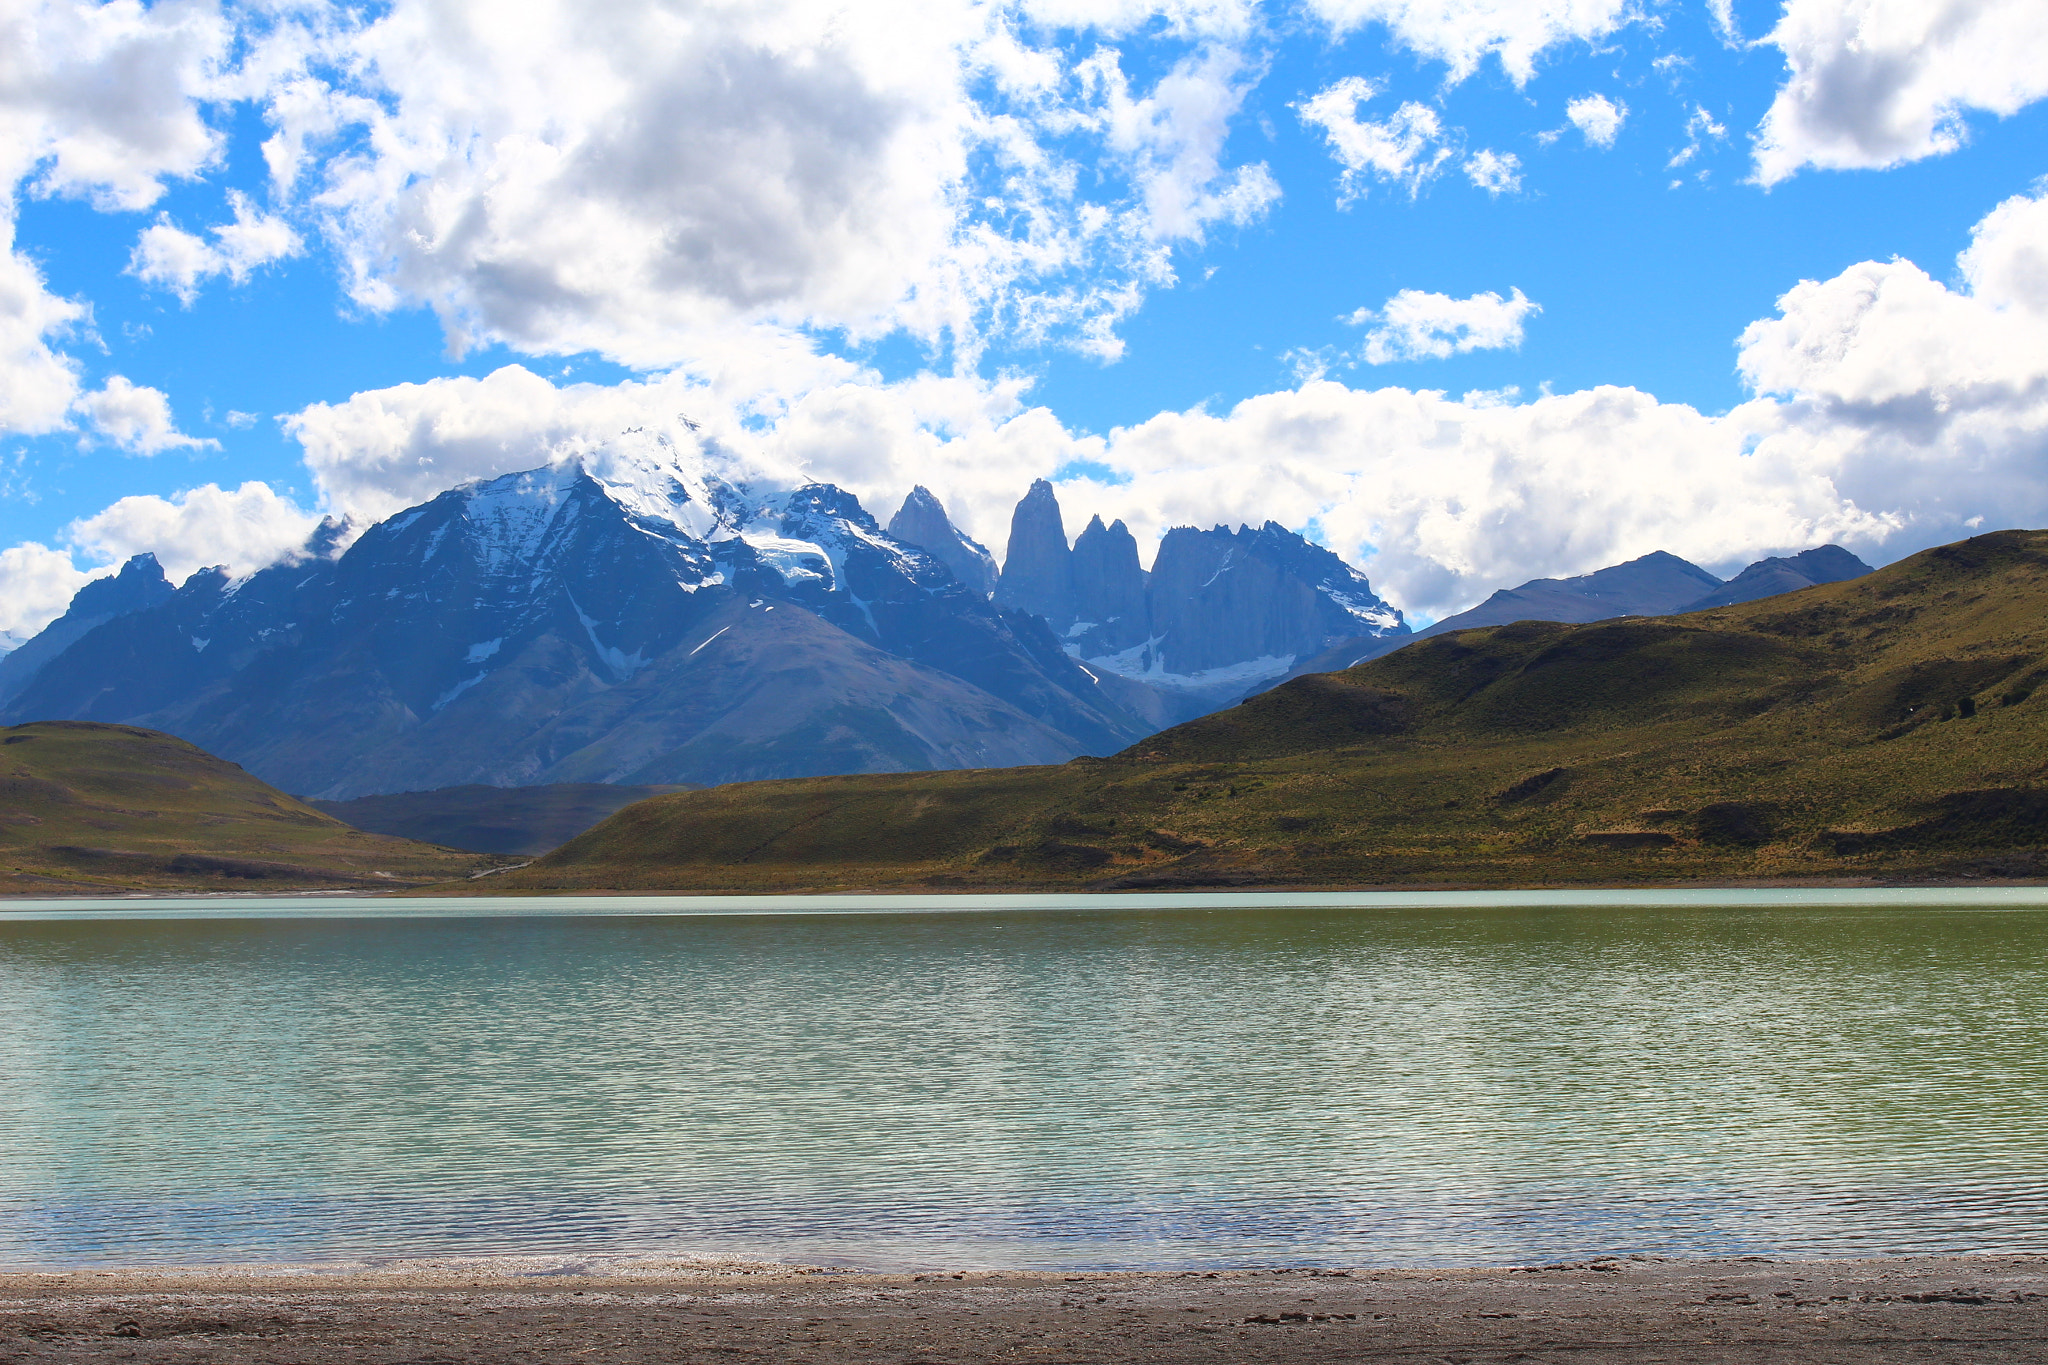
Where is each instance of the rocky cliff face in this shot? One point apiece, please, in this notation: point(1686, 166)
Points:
point(1038, 571)
point(1110, 602)
point(632, 619)
point(1219, 612)
point(922, 521)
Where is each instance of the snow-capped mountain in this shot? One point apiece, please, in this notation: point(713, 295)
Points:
point(626, 616)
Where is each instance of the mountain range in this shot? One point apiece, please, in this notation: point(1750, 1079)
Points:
point(632, 617)
point(626, 618)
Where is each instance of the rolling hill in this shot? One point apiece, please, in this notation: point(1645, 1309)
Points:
point(90, 808)
point(1883, 727)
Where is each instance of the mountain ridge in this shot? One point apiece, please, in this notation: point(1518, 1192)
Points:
point(562, 624)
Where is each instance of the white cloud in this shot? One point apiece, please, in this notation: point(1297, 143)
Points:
point(134, 417)
point(1722, 12)
point(662, 185)
point(387, 449)
point(36, 584)
point(97, 101)
point(1418, 326)
point(1598, 117)
point(1461, 34)
point(242, 529)
point(1874, 83)
point(1700, 129)
point(1494, 172)
point(1408, 147)
point(37, 382)
point(166, 254)
point(100, 101)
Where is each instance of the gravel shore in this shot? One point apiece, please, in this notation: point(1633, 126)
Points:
point(1620, 1309)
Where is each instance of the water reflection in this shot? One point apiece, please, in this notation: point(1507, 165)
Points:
point(1172, 1087)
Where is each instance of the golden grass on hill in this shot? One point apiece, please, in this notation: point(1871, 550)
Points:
point(1881, 729)
point(114, 808)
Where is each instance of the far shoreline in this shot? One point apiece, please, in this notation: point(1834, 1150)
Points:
point(644, 902)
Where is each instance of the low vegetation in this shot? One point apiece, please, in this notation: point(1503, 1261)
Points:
point(1892, 727)
point(115, 808)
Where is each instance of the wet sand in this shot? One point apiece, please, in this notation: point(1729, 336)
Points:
point(1609, 1310)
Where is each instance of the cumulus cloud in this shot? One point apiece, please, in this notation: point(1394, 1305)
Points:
point(1494, 172)
point(36, 584)
point(166, 254)
point(1597, 117)
point(1462, 35)
point(665, 185)
point(101, 102)
point(1408, 147)
point(1414, 325)
point(1874, 83)
point(242, 529)
point(37, 381)
point(135, 418)
point(386, 449)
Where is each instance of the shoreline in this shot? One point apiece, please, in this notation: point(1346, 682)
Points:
point(468, 890)
point(741, 903)
point(460, 1310)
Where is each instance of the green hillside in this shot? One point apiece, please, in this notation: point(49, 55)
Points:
point(1885, 728)
point(87, 808)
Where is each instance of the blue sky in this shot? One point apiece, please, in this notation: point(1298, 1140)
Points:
point(969, 245)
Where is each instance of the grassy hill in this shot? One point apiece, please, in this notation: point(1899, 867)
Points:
point(1888, 727)
point(113, 808)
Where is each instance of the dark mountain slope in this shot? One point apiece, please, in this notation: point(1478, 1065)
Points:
point(138, 586)
point(108, 808)
point(1657, 584)
point(1654, 585)
point(1883, 727)
point(1770, 577)
point(503, 820)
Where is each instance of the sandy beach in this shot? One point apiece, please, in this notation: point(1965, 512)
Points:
point(1612, 1309)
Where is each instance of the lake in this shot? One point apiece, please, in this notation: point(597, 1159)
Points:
point(1163, 1081)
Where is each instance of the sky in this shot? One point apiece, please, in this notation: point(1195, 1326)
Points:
point(1470, 291)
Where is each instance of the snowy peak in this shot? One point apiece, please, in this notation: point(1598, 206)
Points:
point(922, 521)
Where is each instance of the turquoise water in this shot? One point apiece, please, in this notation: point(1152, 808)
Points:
point(1177, 1080)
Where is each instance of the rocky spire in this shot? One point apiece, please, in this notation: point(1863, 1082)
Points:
point(1109, 587)
point(1038, 570)
point(922, 521)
